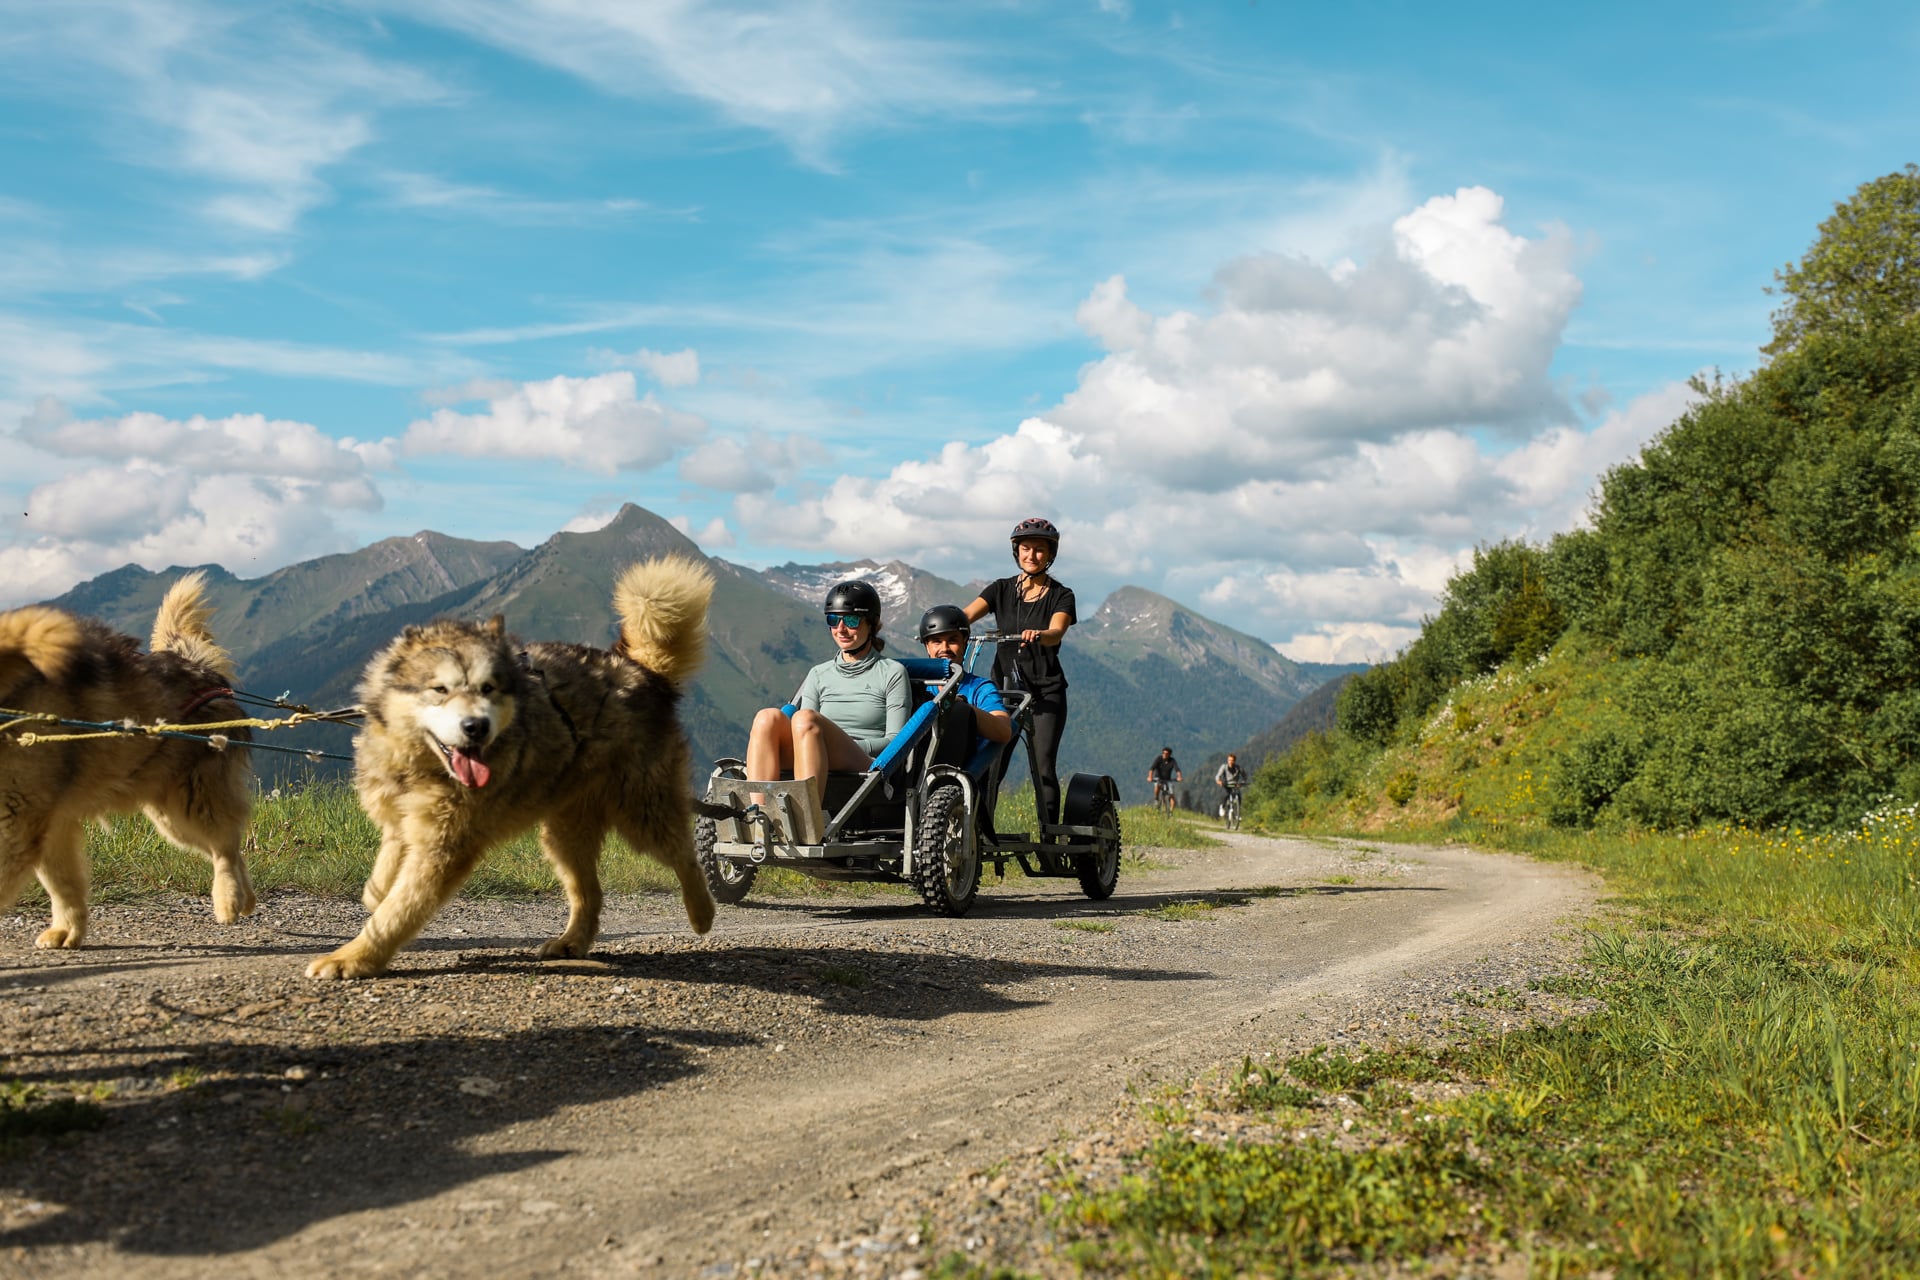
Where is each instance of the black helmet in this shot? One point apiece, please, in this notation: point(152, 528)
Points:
point(854, 596)
point(1036, 527)
point(940, 620)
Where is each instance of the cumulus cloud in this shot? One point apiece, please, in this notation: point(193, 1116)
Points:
point(1454, 321)
point(1312, 455)
point(245, 492)
point(599, 424)
point(754, 465)
point(668, 368)
point(712, 536)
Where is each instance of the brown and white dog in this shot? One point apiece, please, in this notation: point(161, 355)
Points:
point(471, 739)
point(53, 662)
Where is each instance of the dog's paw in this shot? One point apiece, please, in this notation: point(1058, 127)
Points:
point(564, 948)
point(343, 964)
point(60, 937)
point(229, 905)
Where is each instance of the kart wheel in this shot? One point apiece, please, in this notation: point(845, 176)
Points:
point(1099, 871)
point(945, 872)
point(727, 880)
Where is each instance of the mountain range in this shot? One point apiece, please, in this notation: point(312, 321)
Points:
point(1144, 671)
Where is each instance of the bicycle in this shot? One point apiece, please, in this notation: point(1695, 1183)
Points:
point(1232, 808)
point(1163, 796)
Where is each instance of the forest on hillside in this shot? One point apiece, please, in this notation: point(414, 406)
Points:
point(1742, 618)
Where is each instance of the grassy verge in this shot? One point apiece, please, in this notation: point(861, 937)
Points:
point(316, 839)
point(1746, 1103)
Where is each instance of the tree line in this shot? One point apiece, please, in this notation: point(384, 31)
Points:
point(1748, 593)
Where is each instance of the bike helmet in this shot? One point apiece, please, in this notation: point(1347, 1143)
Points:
point(1036, 527)
point(940, 620)
point(854, 596)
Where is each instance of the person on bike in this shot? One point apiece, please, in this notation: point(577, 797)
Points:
point(1040, 608)
point(1163, 773)
point(943, 630)
point(848, 708)
point(1231, 778)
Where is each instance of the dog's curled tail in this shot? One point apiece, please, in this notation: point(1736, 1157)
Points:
point(181, 626)
point(39, 639)
point(662, 605)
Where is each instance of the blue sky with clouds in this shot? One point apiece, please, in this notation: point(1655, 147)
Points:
point(1276, 308)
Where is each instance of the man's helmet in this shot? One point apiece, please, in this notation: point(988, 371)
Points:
point(1036, 527)
point(855, 596)
point(941, 619)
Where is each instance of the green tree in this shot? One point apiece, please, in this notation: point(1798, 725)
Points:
point(1863, 270)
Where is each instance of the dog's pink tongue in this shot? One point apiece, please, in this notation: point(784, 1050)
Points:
point(471, 770)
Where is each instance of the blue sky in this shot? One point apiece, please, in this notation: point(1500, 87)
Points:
point(1276, 308)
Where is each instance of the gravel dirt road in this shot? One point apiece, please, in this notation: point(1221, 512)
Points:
point(819, 1085)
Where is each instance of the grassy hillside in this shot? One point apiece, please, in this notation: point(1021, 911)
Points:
point(1736, 640)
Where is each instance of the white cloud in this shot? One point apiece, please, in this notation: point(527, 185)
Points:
point(596, 423)
point(589, 522)
point(257, 106)
point(802, 72)
point(245, 492)
point(713, 536)
point(668, 368)
point(81, 363)
point(1454, 321)
point(1312, 456)
point(755, 465)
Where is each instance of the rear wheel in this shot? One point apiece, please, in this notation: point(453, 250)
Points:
point(945, 871)
point(1099, 871)
point(727, 880)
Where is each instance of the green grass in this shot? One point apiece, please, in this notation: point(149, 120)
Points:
point(1746, 1102)
point(1086, 926)
point(316, 839)
point(26, 1113)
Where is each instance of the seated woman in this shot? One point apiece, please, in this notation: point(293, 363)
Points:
point(849, 708)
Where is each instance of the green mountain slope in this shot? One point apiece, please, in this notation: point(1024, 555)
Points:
point(314, 594)
point(1144, 670)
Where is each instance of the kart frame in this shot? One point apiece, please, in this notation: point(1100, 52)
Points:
point(922, 814)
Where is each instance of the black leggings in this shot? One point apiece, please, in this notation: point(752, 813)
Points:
point(1049, 723)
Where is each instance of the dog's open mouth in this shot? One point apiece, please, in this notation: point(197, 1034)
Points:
point(466, 766)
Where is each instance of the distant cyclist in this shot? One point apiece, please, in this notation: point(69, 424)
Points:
point(1231, 778)
point(1163, 773)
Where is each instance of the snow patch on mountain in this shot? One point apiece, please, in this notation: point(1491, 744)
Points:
point(811, 582)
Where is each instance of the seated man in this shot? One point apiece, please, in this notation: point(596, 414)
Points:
point(944, 629)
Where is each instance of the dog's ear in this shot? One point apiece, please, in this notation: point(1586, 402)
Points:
point(497, 624)
point(412, 633)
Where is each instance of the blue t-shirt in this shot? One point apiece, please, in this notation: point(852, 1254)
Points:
point(981, 692)
point(978, 691)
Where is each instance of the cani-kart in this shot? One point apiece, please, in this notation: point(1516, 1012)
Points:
point(922, 814)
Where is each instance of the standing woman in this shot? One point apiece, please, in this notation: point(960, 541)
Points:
point(1032, 603)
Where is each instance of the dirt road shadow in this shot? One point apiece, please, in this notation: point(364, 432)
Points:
point(254, 1155)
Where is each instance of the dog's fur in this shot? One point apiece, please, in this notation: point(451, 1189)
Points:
point(471, 739)
point(80, 669)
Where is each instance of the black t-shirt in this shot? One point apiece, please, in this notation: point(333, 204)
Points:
point(1164, 767)
point(1037, 665)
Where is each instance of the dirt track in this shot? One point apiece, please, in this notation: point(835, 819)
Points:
point(677, 1106)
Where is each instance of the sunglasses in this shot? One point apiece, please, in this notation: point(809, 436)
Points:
point(851, 621)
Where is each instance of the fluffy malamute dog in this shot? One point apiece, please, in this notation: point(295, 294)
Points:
point(200, 798)
point(471, 739)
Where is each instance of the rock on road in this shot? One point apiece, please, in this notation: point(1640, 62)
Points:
point(675, 1105)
